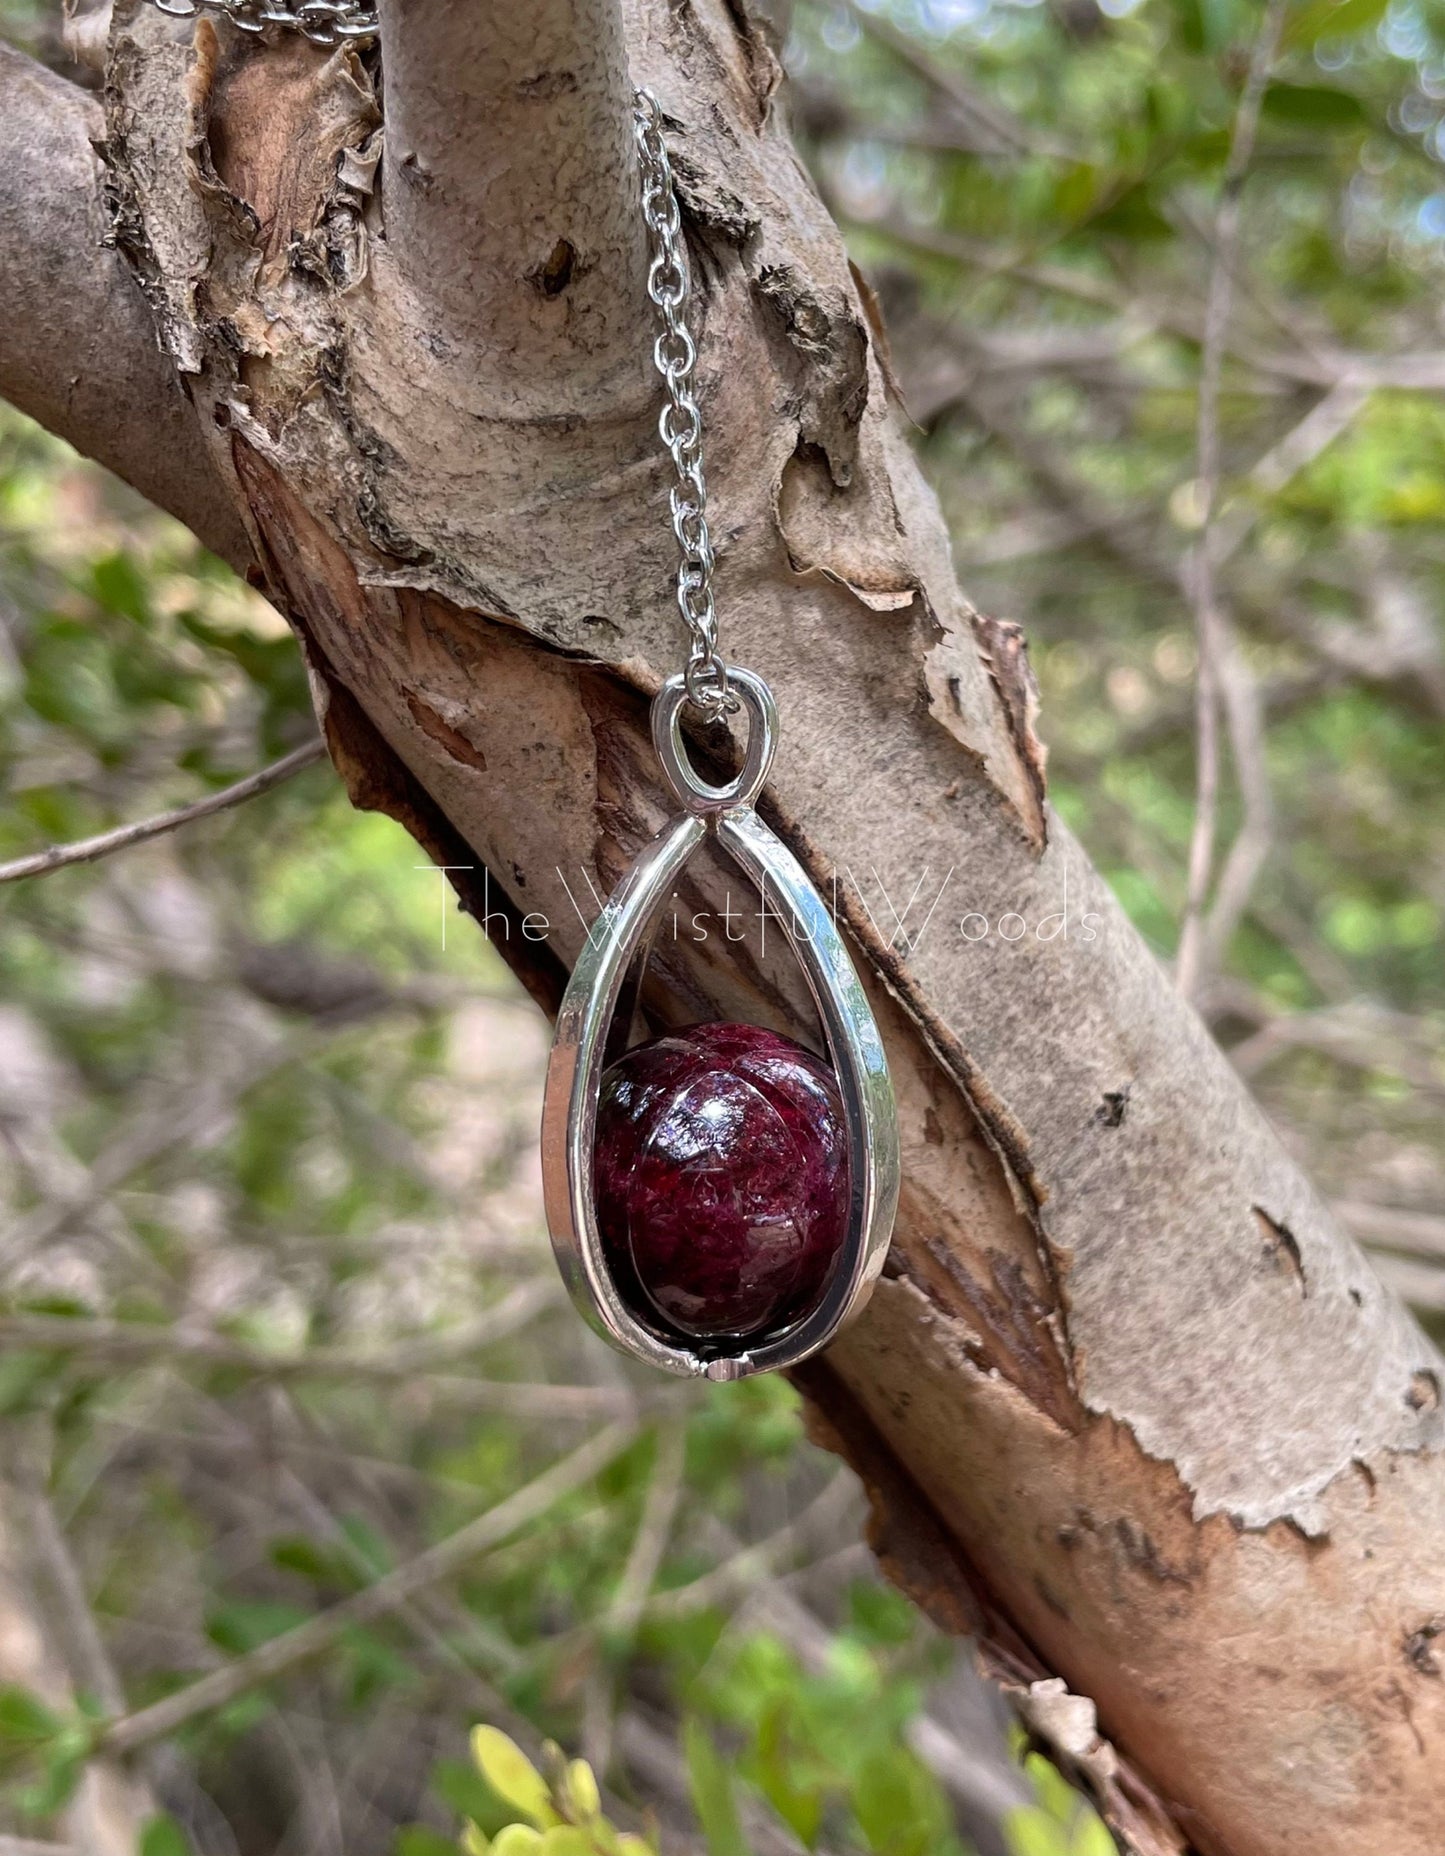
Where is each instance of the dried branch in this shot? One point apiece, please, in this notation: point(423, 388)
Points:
point(91, 1669)
point(1324, 368)
point(1422, 1285)
point(1422, 1234)
point(295, 1647)
point(982, 118)
point(638, 1576)
point(1243, 703)
point(822, 1519)
point(90, 850)
point(1212, 622)
point(128, 1341)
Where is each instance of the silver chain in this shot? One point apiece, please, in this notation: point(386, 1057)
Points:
point(669, 284)
point(674, 352)
point(324, 22)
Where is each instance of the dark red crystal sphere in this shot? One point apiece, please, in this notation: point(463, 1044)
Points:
point(721, 1178)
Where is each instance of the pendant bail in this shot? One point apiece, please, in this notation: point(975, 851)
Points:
point(695, 793)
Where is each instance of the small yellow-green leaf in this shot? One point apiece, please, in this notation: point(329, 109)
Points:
point(582, 1792)
point(629, 1845)
point(1092, 1837)
point(567, 1840)
point(474, 1843)
point(517, 1840)
point(511, 1775)
point(1030, 1831)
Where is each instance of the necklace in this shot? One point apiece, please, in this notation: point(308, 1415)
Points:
point(719, 1199)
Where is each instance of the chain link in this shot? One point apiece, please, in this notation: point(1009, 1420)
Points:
point(675, 354)
point(669, 284)
point(324, 22)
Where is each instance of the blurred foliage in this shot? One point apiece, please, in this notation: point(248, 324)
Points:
point(266, 1151)
point(1033, 190)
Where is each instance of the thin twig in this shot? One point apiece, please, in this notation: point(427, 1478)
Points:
point(1211, 621)
point(1239, 692)
point(88, 850)
point(136, 1340)
point(1009, 133)
point(1389, 1227)
point(1422, 1285)
point(91, 1670)
point(394, 1589)
point(828, 1514)
point(1328, 369)
point(649, 1544)
point(181, 1117)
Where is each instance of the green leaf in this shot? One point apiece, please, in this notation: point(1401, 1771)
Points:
point(25, 1719)
point(898, 1806)
point(1030, 1831)
point(583, 1796)
point(567, 1840)
point(469, 1795)
point(713, 1798)
point(1093, 1837)
point(799, 1804)
point(422, 1840)
point(244, 1623)
point(517, 1840)
point(24, 1373)
point(1314, 106)
point(511, 1775)
point(881, 1615)
point(1206, 26)
point(322, 1565)
point(116, 584)
point(163, 1836)
point(1333, 19)
point(1052, 1789)
point(65, 1758)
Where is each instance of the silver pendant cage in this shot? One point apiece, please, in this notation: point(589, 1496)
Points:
point(585, 1042)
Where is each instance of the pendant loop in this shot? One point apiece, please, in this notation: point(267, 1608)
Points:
point(696, 794)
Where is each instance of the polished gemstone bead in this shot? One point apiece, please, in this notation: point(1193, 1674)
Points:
point(721, 1179)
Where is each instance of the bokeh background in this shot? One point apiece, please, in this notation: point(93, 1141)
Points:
point(281, 1350)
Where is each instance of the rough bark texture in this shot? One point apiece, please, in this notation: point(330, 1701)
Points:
point(79, 351)
point(1131, 1406)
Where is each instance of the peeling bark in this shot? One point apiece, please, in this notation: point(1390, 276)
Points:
point(1129, 1404)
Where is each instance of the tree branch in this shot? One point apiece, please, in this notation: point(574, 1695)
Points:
point(80, 352)
point(90, 850)
point(510, 191)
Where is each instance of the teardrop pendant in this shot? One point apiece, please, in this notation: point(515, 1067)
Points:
point(720, 1203)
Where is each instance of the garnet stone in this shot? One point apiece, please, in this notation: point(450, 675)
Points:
point(721, 1176)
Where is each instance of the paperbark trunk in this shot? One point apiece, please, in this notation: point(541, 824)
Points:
point(1130, 1406)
